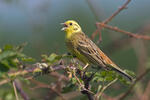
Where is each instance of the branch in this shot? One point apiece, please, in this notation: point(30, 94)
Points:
point(4, 81)
point(15, 90)
point(98, 95)
point(125, 32)
point(58, 75)
point(145, 95)
point(109, 19)
point(20, 90)
point(86, 81)
point(35, 68)
point(85, 85)
point(51, 87)
point(117, 12)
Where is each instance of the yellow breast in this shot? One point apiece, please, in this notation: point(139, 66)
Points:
point(72, 45)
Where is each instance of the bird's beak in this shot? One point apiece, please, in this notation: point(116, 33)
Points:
point(64, 26)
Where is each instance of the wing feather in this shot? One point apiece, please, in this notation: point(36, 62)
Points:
point(87, 48)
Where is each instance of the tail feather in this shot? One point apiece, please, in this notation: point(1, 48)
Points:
point(124, 74)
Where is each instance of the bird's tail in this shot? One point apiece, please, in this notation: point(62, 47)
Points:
point(123, 73)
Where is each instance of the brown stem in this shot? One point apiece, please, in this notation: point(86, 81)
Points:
point(15, 90)
point(125, 32)
point(38, 67)
point(117, 12)
point(109, 19)
point(20, 90)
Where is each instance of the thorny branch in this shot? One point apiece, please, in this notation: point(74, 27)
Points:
point(85, 85)
point(146, 95)
point(51, 87)
point(98, 95)
point(49, 69)
point(103, 24)
point(109, 19)
point(86, 81)
point(20, 90)
point(125, 32)
point(38, 67)
point(124, 6)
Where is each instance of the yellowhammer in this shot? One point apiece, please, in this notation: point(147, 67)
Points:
point(86, 50)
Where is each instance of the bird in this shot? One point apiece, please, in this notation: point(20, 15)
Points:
point(86, 50)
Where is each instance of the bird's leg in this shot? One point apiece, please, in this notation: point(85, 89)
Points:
point(85, 66)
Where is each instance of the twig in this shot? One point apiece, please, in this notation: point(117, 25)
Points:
point(20, 90)
point(132, 86)
point(58, 75)
point(15, 90)
point(94, 33)
point(4, 81)
point(43, 85)
point(86, 81)
point(84, 85)
point(125, 32)
point(103, 88)
point(81, 85)
point(35, 68)
point(146, 94)
point(78, 80)
point(109, 19)
point(117, 12)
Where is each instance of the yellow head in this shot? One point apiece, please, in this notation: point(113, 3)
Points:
point(71, 27)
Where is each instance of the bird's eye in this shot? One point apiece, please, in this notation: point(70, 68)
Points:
point(70, 23)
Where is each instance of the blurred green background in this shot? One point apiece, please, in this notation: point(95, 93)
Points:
point(37, 22)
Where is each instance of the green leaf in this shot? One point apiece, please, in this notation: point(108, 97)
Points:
point(20, 47)
point(8, 47)
point(27, 59)
point(80, 67)
point(53, 58)
point(4, 67)
point(103, 73)
point(130, 73)
point(98, 77)
point(73, 80)
point(7, 54)
point(11, 56)
point(124, 81)
point(109, 78)
point(104, 76)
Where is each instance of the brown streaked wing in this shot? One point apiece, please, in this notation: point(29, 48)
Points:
point(107, 60)
point(87, 48)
